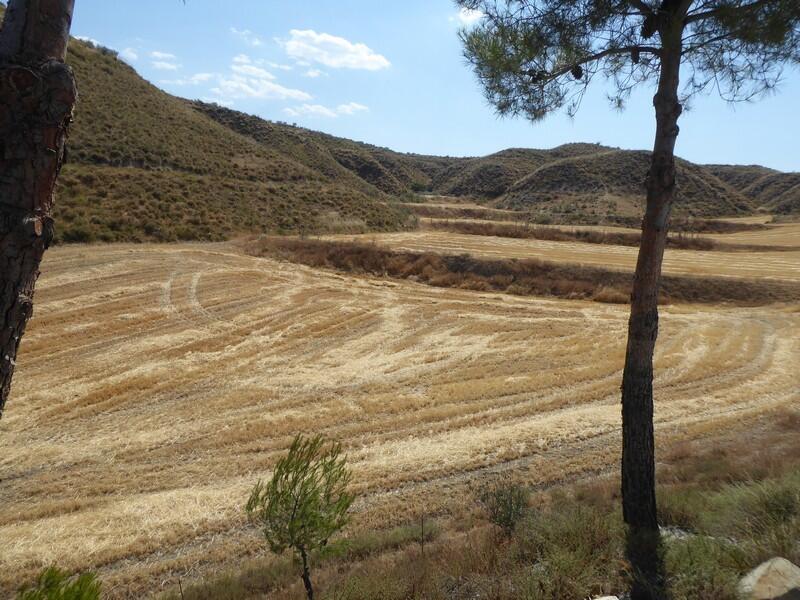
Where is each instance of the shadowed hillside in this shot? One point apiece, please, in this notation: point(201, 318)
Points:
point(361, 165)
point(777, 193)
point(770, 190)
point(492, 176)
point(612, 182)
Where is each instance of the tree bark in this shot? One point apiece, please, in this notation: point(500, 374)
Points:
point(306, 575)
point(37, 96)
point(638, 453)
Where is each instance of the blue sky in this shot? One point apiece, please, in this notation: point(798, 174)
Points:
point(391, 73)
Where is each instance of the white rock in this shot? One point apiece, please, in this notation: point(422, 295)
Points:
point(776, 579)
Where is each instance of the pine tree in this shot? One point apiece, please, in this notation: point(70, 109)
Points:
point(534, 57)
point(37, 95)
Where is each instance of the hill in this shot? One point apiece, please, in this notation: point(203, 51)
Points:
point(777, 193)
point(144, 165)
point(611, 181)
point(361, 165)
point(770, 190)
point(492, 176)
point(147, 166)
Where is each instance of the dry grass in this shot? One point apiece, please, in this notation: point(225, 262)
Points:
point(569, 542)
point(452, 209)
point(680, 240)
point(111, 204)
point(528, 277)
point(779, 265)
point(148, 402)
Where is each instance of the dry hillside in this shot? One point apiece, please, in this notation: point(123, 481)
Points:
point(612, 182)
point(770, 190)
point(145, 165)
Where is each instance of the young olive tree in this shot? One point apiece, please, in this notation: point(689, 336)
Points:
point(37, 95)
point(305, 502)
point(533, 57)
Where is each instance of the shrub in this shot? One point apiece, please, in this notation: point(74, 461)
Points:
point(702, 567)
point(55, 584)
point(305, 502)
point(505, 503)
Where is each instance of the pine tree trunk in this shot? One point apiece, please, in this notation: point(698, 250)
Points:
point(37, 95)
point(306, 575)
point(638, 456)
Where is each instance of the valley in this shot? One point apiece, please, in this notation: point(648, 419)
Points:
point(220, 283)
point(158, 382)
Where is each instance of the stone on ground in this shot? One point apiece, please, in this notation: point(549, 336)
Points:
point(776, 579)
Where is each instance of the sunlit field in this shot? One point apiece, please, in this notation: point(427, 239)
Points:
point(158, 383)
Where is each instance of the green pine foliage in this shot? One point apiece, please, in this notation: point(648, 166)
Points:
point(55, 584)
point(306, 502)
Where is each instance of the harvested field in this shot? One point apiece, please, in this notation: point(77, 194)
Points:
point(778, 265)
point(157, 383)
point(528, 277)
point(587, 235)
point(780, 235)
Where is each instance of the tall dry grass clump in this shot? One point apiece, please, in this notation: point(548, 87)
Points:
point(519, 277)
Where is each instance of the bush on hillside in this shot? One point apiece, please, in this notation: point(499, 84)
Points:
point(55, 584)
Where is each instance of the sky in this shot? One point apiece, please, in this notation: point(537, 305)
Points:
point(392, 73)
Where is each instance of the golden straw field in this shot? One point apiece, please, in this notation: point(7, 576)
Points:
point(156, 384)
point(780, 264)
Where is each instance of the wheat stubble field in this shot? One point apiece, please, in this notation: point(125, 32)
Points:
point(157, 383)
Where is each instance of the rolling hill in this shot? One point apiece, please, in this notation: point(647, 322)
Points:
point(144, 165)
point(147, 166)
point(611, 181)
point(770, 190)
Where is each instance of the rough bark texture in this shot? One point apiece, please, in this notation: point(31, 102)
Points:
point(37, 95)
point(638, 455)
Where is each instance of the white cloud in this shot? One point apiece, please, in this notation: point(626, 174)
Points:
point(336, 52)
point(165, 66)
point(351, 108)
point(249, 80)
point(238, 86)
point(310, 110)
point(313, 73)
point(252, 71)
point(247, 36)
point(195, 79)
point(317, 110)
point(467, 16)
point(87, 39)
point(162, 55)
point(129, 54)
point(279, 66)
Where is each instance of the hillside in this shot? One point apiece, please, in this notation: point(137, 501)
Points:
point(361, 165)
point(777, 193)
point(492, 176)
point(147, 166)
point(770, 190)
point(612, 182)
point(144, 165)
